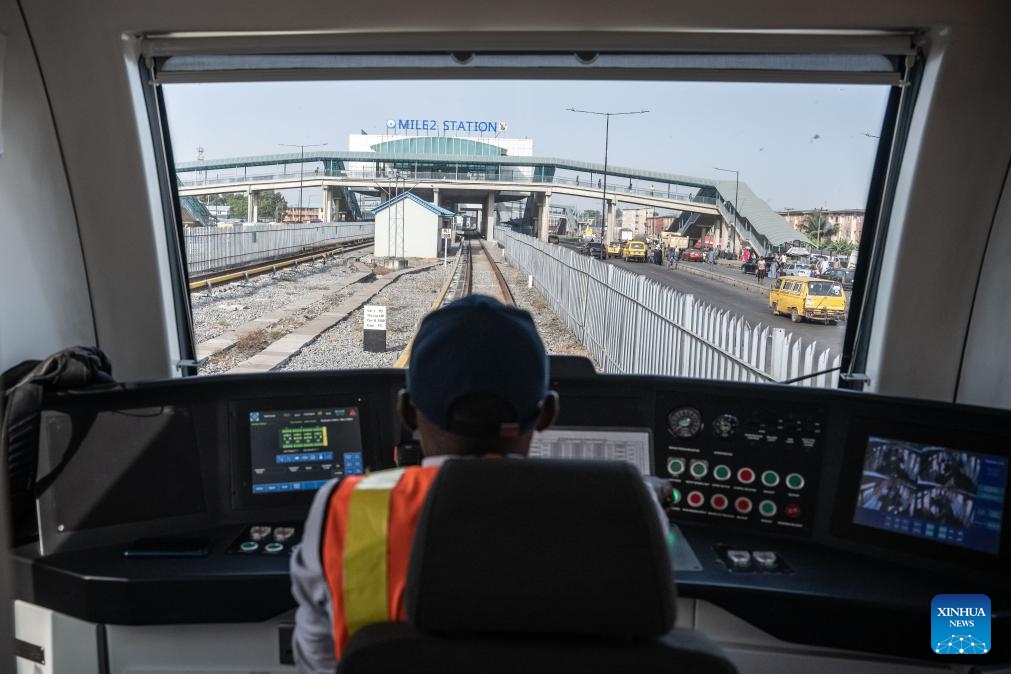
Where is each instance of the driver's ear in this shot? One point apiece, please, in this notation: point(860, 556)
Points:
point(407, 411)
point(549, 411)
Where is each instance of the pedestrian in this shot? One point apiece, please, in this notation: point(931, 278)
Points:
point(651, 191)
point(774, 270)
point(598, 183)
point(577, 181)
point(760, 271)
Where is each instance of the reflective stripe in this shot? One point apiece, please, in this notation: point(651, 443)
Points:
point(365, 550)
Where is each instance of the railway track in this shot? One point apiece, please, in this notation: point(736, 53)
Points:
point(245, 272)
point(474, 272)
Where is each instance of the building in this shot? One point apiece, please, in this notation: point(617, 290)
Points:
point(849, 223)
point(304, 214)
point(658, 223)
point(409, 226)
point(635, 219)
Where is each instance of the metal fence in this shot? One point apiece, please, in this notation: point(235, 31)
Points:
point(634, 325)
point(210, 249)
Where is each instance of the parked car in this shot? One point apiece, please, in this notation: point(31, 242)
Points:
point(751, 266)
point(811, 298)
point(692, 255)
point(843, 276)
point(795, 269)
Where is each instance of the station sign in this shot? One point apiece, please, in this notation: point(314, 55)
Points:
point(447, 233)
point(447, 125)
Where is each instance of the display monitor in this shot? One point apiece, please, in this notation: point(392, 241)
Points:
point(947, 495)
point(631, 445)
point(299, 450)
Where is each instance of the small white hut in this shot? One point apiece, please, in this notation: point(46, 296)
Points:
point(409, 226)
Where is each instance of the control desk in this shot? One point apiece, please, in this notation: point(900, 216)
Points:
point(180, 501)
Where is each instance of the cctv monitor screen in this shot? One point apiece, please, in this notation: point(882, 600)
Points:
point(300, 450)
point(951, 496)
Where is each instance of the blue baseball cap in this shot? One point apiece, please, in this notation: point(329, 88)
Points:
point(477, 345)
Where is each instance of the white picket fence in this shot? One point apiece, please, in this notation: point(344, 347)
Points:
point(634, 325)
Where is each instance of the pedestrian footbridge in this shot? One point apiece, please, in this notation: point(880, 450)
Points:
point(345, 178)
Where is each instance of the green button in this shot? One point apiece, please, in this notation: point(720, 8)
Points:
point(699, 468)
point(767, 508)
point(675, 497)
point(770, 478)
point(794, 481)
point(721, 473)
point(676, 466)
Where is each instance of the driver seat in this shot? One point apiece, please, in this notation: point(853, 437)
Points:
point(537, 566)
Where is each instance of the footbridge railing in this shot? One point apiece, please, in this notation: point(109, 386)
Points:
point(634, 325)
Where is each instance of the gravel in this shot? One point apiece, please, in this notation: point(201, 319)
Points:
point(229, 306)
point(407, 300)
point(557, 337)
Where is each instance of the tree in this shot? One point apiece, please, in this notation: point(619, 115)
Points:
point(844, 247)
point(817, 227)
point(236, 204)
point(271, 205)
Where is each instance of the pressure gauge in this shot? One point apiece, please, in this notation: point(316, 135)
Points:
point(684, 422)
point(725, 426)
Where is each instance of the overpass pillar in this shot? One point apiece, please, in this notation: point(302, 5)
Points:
point(327, 204)
point(251, 207)
point(544, 203)
point(435, 196)
point(489, 217)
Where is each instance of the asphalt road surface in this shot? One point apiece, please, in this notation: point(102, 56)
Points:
point(754, 307)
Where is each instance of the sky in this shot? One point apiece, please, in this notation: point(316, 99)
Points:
point(797, 146)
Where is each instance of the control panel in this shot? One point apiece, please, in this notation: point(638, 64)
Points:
point(267, 539)
point(740, 464)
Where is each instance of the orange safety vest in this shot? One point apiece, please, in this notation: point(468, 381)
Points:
point(366, 547)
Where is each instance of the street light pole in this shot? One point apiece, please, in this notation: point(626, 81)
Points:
point(737, 190)
point(301, 167)
point(603, 197)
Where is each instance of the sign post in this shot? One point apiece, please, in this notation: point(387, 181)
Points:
point(375, 329)
point(447, 234)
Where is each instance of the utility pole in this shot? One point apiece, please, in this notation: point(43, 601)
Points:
point(301, 167)
point(603, 198)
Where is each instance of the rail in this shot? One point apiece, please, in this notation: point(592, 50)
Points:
point(209, 281)
point(462, 278)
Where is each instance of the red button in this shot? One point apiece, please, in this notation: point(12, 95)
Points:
point(746, 476)
point(695, 499)
point(743, 505)
point(719, 502)
point(792, 510)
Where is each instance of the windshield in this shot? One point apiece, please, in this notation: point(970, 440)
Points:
point(322, 220)
point(824, 288)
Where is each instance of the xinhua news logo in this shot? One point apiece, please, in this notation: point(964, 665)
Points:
point(960, 624)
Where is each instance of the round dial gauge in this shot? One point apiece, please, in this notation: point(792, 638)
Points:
point(684, 422)
point(725, 426)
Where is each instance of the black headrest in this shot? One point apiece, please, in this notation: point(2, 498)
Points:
point(540, 546)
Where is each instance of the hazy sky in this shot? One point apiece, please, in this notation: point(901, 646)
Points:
point(797, 146)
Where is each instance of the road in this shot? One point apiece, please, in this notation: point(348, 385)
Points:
point(754, 307)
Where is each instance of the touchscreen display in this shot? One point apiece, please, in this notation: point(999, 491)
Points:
point(942, 494)
point(299, 450)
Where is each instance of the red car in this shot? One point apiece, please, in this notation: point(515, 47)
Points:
point(692, 255)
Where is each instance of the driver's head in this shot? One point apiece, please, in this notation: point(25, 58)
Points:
point(477, 381)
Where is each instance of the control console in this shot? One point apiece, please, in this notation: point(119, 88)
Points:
point(740, 464)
